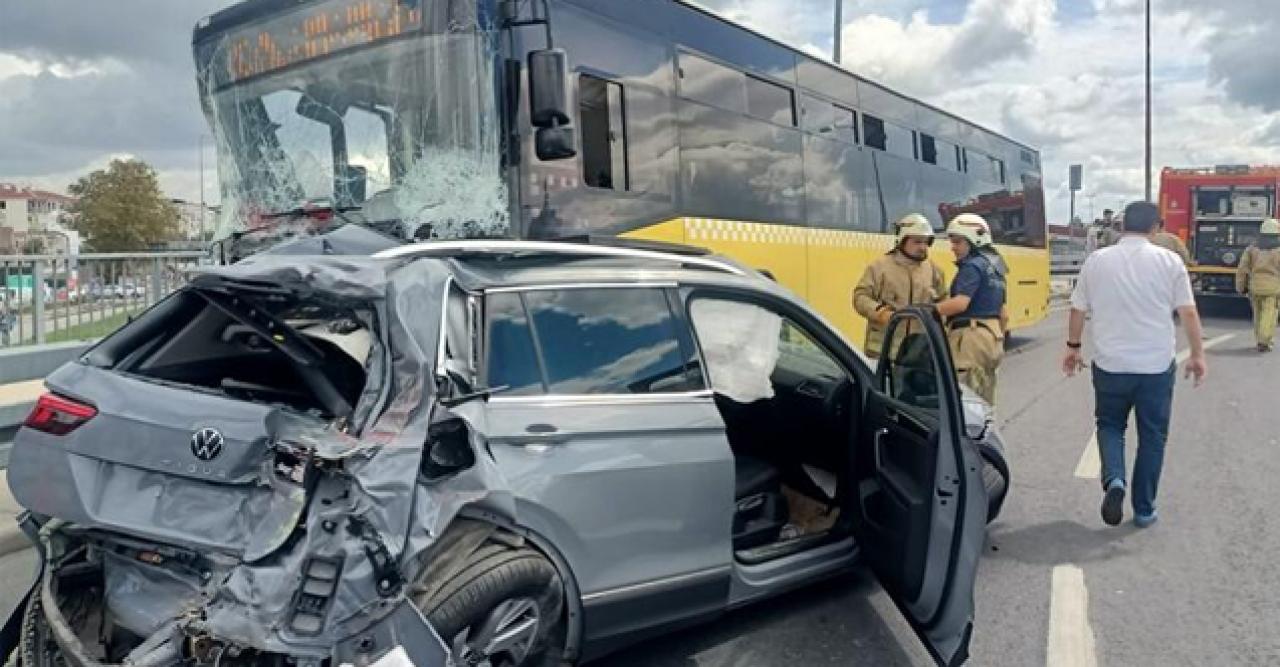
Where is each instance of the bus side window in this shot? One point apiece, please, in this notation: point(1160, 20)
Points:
point(873, 131)
point(928, 149)
point(602, 114)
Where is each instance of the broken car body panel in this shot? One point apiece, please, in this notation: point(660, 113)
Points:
point(241, 530)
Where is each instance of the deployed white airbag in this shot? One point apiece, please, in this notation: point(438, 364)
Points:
point(740, 344)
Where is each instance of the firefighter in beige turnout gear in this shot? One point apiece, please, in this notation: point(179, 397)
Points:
point(903, 277)
point(976, 313)
point(1259, 277)
point(1171, 243)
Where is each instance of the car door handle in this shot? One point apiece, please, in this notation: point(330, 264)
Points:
point(540, 434)
point(877, 444)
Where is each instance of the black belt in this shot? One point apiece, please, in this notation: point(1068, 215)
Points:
point(967, 322)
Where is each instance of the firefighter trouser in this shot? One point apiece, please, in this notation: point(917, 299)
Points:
point(977, 348)
point(1266, 309)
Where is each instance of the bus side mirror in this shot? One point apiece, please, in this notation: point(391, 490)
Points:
point(549, 105)
point(554, 143)
point(548, 92)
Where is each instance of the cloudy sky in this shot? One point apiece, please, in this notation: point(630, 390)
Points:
point(82, 81)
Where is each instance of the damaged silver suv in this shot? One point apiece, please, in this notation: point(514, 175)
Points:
point(485, 453)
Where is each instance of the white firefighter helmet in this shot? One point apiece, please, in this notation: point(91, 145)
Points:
point(913, 225)
point(972, 228)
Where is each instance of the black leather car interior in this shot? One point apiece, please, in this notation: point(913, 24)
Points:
point(761, 509)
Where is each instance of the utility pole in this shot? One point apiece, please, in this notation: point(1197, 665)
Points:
point(202, 190)
point(839, 28)
point(1148, 100)
point(1090, 197)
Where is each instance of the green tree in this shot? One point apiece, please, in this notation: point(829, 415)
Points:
point(122, 208)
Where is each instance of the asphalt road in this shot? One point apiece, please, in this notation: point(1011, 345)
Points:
point(1057, 587)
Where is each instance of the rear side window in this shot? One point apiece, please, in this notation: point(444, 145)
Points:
point(596, 341)
point(513, 363)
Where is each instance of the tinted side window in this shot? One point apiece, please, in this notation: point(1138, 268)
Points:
point(928, 149)
point(771, 102)
point(912, 376)
point(873, 130)
point(947, 155)
point(832, 121)
point(900, 141)
point(512, 361)
point(611, 341)
point(712, 83)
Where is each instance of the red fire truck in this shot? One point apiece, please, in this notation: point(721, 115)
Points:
point(1217, 212)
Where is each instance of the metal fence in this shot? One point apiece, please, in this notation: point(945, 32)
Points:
point(55, 298)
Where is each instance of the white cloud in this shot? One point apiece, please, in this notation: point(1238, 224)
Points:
point(928, 58)
point(1074, 88)
point(796, 22)
point(11, 66)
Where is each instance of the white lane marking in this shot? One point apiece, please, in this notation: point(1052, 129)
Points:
point(1071, 642)
point(1186, 354)
point(1090, 465)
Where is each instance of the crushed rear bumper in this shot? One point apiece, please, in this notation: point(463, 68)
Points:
point(398, 638)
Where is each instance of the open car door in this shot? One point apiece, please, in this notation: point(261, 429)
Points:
point(921, 506)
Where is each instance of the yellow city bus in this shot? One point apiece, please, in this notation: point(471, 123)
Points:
point(651, 119)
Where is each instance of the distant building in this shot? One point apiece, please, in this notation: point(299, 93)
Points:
point(190, 221)
point(27, 214)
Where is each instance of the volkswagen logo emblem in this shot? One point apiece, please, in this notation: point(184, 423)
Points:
point(206, 444)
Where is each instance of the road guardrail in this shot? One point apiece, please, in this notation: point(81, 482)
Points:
point(56, 298)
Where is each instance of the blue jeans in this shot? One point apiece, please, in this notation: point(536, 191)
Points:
point(1151, 396)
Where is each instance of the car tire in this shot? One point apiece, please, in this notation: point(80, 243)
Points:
point(499, 589)
point(35, 645)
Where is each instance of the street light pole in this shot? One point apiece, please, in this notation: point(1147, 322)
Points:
point(839, 28)
point(1148, 100)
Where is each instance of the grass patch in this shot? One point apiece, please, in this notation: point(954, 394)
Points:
point(89, 330)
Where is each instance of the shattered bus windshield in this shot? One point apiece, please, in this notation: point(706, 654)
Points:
point(404, 132)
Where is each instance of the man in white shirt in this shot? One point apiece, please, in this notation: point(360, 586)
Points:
point(1131, 291)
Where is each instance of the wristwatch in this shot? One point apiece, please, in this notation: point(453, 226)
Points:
point(1074, 346)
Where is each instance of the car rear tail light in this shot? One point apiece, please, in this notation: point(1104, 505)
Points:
point(56, 415)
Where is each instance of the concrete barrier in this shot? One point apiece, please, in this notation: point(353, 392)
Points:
point(32, 362)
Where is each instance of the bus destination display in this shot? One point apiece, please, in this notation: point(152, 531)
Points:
point(317, 31)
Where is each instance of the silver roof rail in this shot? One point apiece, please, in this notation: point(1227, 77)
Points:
point(505, 247)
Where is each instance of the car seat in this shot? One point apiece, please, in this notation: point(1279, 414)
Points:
point(761, 510)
